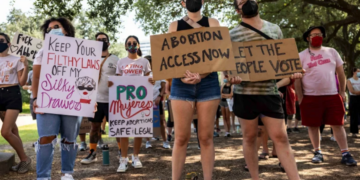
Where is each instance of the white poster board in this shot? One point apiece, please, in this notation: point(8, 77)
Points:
point(130, 107)
point(69, 76)
point(24, 45)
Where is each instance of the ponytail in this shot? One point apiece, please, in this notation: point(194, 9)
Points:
point(139, 53)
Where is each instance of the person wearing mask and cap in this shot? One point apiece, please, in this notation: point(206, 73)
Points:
point(320, 101)
point(260, 99)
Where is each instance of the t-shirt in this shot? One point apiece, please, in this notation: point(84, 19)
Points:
point(355, 84)
point(133, 67)
point(108, 69)
point(29, 81)
point(38, 57)
point(320, 79)
point(9, 66)
point(243, 34)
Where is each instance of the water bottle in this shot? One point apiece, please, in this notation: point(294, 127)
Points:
point(105, 154)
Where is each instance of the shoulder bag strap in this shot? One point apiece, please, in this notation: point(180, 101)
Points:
point(256, 30)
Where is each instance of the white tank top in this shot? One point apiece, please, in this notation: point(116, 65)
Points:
point(355, 84)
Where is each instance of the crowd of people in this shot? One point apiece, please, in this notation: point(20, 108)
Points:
point(315, 98)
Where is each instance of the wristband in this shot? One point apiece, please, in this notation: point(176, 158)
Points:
point(34, 99)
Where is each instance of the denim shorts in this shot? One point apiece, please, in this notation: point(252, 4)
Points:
point(208, 89)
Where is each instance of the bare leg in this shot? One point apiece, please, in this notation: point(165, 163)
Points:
point(124, 143)
point(137, 146)
point(225, 120)
point(340, 136)
point(314, 135)
point(264, 139)
point(250, 132)
point(162, 127)
point(103, 124)
point(232, 115)
point(82, 137)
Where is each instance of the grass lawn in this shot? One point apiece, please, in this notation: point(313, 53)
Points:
point(25, 108)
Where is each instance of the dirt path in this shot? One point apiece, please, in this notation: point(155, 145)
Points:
point(228, 165)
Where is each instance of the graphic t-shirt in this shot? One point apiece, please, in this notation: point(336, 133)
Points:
point(320, 79)
point(108, 69)
point(133, 67)
point(243, 34)
point(355, 84)
point(9, 66)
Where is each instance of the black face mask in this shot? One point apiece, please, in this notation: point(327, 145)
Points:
point(193, 5)
point(3, 47)
point(250, 9)
point(105, 46)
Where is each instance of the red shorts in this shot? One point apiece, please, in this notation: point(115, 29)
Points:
point(319, 110)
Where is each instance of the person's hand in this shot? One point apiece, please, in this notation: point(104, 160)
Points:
point(95, 107)
point(235, 80)
point(343, 96)
point(36, 106)
point(152, 81)
point(281, 95)
point(157, 101)
point(298, 75)
point(110, 83)
point(30, 88)
point(24, 61)
point(300, 99)
point(191, 78)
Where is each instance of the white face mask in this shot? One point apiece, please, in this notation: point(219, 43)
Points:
point(57, 32)
point(358, 74)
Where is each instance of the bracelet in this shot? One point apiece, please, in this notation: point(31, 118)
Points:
point(34, 99)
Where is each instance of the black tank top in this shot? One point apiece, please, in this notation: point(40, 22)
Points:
point(226, 90)
point(182, 25)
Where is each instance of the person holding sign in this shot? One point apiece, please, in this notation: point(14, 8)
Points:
point(260, 99)
point(320, 101)
point(133, 65)
point(13, 73)
point(194, 90)
point(107, 68)
point(49, 125)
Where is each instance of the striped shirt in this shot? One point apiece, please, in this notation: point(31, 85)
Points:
point(243, 34)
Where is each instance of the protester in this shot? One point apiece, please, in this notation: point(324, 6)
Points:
point(184, 99)
point(50, 125)
point(158, 93)
point(262, 98)
point(124, 68)
point(107, 68)
point(320, 102)
point(353, 85)
point(226, 93)
point(13, 73)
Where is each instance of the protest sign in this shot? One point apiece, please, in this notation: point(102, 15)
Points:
point(69, 76)
point(130, 107)
point(85, 126)
point(201, 50)
point(24, 45)
point(265, 60)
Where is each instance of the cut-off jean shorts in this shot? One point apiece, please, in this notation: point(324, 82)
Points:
point(208, 89)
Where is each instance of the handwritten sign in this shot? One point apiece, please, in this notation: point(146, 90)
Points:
point(69, 76)
point(265, 60)
point(24, 45)
point(201, 50)
point(130, 107)
point(85, 126)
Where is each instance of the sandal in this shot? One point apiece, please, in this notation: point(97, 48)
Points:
point(264, 156)
point(282, 168)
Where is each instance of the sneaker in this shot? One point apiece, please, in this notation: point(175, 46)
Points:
point(123, 165)
point(83, 146)
point(148, 145)
point(348, 160)
point(67, 177)
point(318, 158)
point(90, 158)
point(100, 143)
point(169, 137)
point(103, 132)
point(227, 134)
point(24, 166)
point(166, 145)
point(15, 168)
point(136, 163)
point(332, 138)
point(216, 134)
point(155, 139)
point(296, 130)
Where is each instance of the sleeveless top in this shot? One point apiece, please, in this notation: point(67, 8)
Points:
point(355, 84)
point(226, 90)
point(182, 25)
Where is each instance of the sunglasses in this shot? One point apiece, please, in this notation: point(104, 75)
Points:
point(102, 39)
point(51, 28)
point(3, 41)
point(83, 88)
point(132, 43)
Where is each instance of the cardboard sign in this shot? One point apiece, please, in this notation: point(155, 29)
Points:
point(130, 107)
point(156, 121)
point(69, 76)
point(201, 50)
point(24, 45)
point(265, 60)
point(85, 126)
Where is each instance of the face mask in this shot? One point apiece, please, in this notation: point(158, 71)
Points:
point(193, 5)
point(3, 47)
point(132, 49)
point(250, 9)
point(358, 74)
point(105, 46)
point(316, 41)
point(57, 32)
point(225, 80)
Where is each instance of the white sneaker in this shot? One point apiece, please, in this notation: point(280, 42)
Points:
point(83, 146)
point(227, 134)
point(90, 158)
point(148, 145)
point(67, 177)
point(166, 145)
point(332, 138)
point(136, 163)
point(123, 165)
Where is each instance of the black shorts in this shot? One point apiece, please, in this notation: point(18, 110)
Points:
point(10, 98)
point(251, 106)
point(102, 111)
point(298, 114)
point(161, 108)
